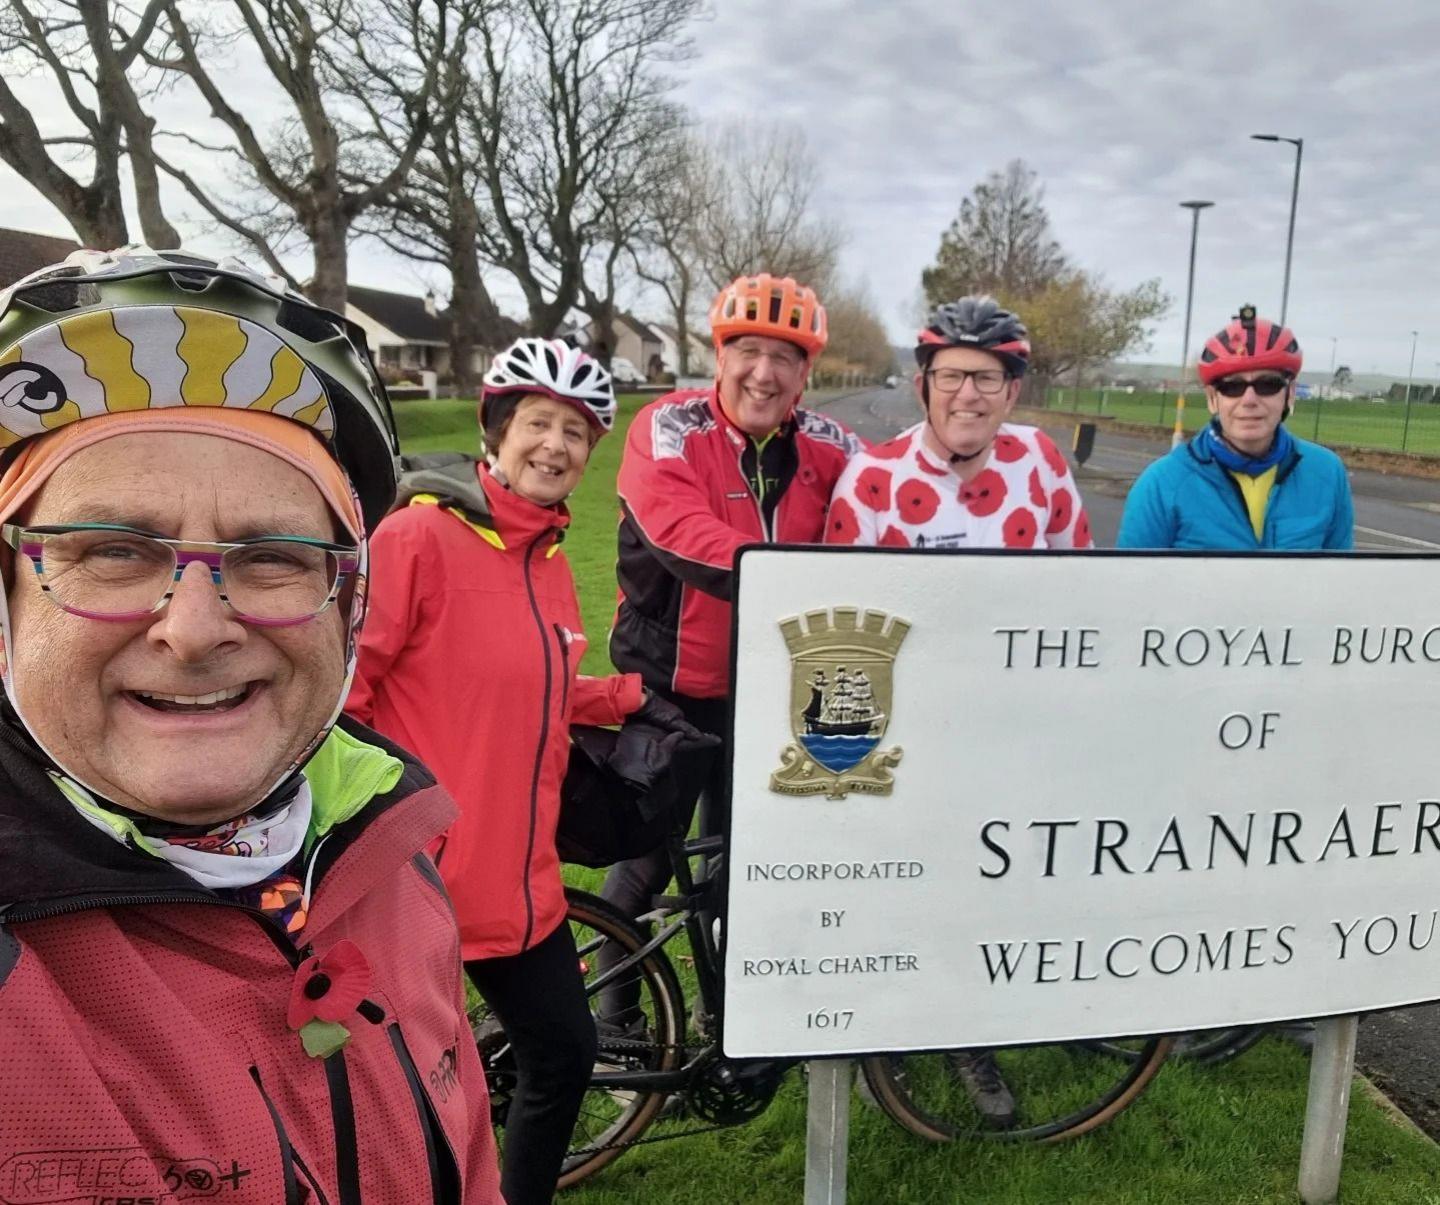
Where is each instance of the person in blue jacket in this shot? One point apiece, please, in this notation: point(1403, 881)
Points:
point(1244, 482)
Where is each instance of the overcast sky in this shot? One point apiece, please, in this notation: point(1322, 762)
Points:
point(1125, 108)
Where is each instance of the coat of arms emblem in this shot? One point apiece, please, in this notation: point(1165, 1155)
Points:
point(841, 687)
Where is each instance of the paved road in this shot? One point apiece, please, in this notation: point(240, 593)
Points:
point(1399, 1050)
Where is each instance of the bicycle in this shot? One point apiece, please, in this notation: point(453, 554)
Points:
point(647, 1057)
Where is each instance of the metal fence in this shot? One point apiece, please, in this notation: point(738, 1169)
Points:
point(1378, 423)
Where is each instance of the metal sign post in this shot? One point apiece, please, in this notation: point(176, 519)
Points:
point(1332, 1068)
point(827, 1130)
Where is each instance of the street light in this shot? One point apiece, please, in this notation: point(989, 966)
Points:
point(1404, 434)
point(1299, 145)
point(1194, 207)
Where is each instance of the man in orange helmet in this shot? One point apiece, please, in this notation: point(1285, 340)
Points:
point(706, 471)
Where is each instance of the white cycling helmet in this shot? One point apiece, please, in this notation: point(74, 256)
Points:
point(555, 369)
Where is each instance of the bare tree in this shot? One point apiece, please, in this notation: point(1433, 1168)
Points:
point(999, 243)
point(858, 341)
point(759, 184)
point(567, 97)
point(89, 49)
point(434, 215)
point(318, 172)
point(666, 251)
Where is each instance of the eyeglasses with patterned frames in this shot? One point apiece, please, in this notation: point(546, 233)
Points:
point(111, 572)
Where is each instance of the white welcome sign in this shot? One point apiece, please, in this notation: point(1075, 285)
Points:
point(989, 799)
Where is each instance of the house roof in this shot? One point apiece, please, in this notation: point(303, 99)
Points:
point(698, 338)
point(401, 313)
point(641, 328)
point(22, 252)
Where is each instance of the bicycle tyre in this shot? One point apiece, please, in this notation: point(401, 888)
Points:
point(609, 1121)
point(1206, 1047)
point(917, 1092)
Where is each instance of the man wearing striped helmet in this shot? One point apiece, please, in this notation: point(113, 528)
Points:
point(1244, 482)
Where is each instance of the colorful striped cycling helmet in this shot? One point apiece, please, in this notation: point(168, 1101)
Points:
point(137, 329)
point(775, 306)
point(550, 367)
point(1249, 344)
point(977, 322)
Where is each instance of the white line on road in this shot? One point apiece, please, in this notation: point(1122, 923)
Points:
point(1413, 541)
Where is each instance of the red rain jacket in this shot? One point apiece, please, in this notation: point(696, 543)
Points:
point(144, 1050)
point(468, 658)
point(686, 509)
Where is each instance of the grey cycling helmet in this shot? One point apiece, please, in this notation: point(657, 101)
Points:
point(138, 328)
point(977, 322)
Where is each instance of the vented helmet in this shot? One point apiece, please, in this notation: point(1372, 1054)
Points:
point(555, 369)
point(977, 322)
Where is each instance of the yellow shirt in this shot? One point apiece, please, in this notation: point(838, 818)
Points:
point(1256, 492)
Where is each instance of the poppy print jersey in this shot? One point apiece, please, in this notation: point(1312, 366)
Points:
point(901, 495)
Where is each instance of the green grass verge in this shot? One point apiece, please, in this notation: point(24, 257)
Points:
point(1352, 423)
point(1214, 1136)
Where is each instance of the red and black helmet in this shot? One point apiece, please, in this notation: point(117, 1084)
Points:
point(976, 322)
point(1247, 345)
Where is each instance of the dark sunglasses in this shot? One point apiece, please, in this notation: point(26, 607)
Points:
point(1263, 386)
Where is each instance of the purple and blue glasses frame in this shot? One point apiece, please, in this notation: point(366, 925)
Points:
point(30, 542)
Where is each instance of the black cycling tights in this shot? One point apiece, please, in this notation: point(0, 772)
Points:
point(539, 997)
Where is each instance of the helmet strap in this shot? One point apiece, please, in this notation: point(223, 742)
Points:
point(951, 456)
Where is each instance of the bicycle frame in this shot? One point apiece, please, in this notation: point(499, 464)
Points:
point(689, 909)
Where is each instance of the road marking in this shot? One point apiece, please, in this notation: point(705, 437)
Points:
point(1413, 541)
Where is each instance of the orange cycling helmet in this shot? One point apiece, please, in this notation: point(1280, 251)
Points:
point(769, 305)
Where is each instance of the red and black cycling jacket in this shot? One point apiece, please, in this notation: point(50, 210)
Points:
point(693, 490)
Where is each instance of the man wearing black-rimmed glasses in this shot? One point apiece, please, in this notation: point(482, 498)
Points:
point(1244, 482)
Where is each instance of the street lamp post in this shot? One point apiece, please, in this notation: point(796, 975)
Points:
point(1194, 207)
point(1299, 145)
point(1405, 434)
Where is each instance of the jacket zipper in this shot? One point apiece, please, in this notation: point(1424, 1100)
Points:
point(19, 913)
point(759, 509)
point(539, 747)
point(342, 1111)
point(288, 1158)
point(342, 1116)
point(439, 1154)
point(563, 639)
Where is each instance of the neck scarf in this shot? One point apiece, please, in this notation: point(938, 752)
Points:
point(251, 857)
point(1214, 443)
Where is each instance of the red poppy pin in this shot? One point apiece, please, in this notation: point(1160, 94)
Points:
point(326, 990)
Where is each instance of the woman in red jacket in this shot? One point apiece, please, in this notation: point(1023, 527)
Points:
point(469, 659)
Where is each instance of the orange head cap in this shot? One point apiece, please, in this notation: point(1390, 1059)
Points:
point(769, 305)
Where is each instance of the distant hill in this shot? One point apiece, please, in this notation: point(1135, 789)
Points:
point(1154, 374)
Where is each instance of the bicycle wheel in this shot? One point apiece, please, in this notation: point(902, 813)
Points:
point(1207, 1047)
point(1060, 1091)
point(610, 1119)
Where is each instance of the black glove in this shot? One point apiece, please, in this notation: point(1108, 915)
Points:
point(661, 713)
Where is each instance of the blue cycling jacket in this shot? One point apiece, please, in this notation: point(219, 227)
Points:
point(1188, 500)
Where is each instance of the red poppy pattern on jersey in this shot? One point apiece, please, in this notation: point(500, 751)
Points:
point(872, 489)
point(1037, 490)
point(916, 502)
point(893, 450)
point(841, 526)
point(901, 494)
point(984, 493)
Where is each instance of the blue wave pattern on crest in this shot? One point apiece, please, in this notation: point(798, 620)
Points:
point(838, 753)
